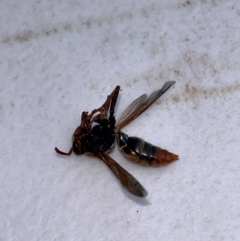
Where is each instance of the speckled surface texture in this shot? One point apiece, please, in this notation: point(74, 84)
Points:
point(59, 59)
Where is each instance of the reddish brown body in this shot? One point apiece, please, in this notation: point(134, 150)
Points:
point(98, 130)
point(144, 153)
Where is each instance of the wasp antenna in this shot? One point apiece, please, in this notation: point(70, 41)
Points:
point(63, 153)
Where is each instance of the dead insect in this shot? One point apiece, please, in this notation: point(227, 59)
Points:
point(97, 133)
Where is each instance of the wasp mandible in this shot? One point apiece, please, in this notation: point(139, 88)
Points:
point(98, 131)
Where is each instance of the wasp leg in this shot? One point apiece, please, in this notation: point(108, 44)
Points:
point(112, 98)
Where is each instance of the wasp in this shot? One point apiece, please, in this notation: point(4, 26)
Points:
point(98, 131)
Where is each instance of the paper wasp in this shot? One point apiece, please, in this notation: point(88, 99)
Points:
point(98, 131)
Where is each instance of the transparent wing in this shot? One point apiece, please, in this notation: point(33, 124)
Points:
point(129, 113)
point(141, 104)
point(126, 179)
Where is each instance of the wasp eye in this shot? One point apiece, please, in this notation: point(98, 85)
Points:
point(76, 149)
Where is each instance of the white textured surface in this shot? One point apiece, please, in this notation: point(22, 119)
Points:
point(59, 59)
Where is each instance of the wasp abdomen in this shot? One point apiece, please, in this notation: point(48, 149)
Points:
point(142, 152)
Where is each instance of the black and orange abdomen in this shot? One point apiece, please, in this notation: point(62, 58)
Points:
point(144, 153)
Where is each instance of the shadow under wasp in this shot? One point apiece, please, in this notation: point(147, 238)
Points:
point(98, 131)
